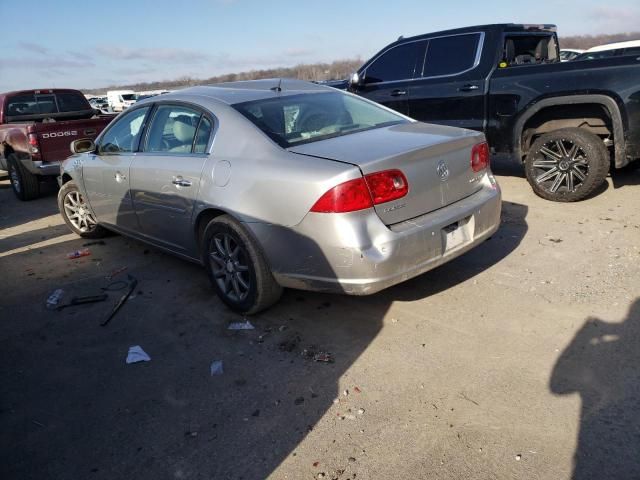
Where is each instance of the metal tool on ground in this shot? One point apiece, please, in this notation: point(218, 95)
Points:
point(84, 300)
point(133, 282)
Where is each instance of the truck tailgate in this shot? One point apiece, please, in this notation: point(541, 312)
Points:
point(54, 139)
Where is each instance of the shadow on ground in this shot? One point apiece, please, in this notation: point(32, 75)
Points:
point(601, 365)
point(71, 408)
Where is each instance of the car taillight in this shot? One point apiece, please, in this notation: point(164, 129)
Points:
point(364, 192)
point(33, 143)
point(387, 185)
point(346, 197)
point(480, 156)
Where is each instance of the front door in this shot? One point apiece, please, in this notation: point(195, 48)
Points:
point(450, 89)
point(106, 172)
point(165, 176)
point(387, 78)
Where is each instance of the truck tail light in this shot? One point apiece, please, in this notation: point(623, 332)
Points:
point(34, 147)
point(480, 156)
point(364, 192)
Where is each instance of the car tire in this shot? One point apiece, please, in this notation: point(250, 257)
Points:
point(237, 268)
point(71, 202)
point(567, 165)
point(25, 185)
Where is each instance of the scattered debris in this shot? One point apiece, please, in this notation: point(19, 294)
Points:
point(216, 368)
point(190, 434)
point(345, 393)
point(116, 272)
point(246, 325)
point(323, 357)
point(79, 253)
point(136, 354)
point(357, 390)
point(518, 457)
point(115, 286)
point(315, 464)
point(97, 242)
point(37, 423)
point(84, 300)
point(282, 328)
point(555, 240)
point(361, 411)
point(352, 459)
point(299, 401)
point(133, 282)
point(256, 413)
point(54, 298)
point(464, 397)
point(394, 320)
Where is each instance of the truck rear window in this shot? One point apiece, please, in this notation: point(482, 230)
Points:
point(42, 104)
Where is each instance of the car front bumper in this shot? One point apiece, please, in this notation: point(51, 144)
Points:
point(356, 254)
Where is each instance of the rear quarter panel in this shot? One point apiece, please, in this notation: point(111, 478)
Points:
point(514, 89)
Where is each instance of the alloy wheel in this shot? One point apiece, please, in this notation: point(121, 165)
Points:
point(78, 212)
point(563, 166)
point(230, 267)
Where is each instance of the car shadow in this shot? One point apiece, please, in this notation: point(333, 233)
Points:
point(601, 365)
point(94, 416)
point(14, 212)
point(627, 176)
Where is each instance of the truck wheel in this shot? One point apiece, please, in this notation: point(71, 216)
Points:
point(77, 214)
point(239, 273)
point(25, 185)
point(567, 165)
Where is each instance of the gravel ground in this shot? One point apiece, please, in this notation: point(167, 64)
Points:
point(516, 361)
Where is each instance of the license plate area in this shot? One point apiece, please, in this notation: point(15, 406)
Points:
point(457, 234)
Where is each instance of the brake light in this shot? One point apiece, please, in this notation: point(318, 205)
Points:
point(363, 192)
point(346, 197)
point(387, 185)
point(480, 156)
point(33, 143)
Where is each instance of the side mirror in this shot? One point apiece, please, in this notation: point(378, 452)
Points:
point(83, 145)
point(355, 80)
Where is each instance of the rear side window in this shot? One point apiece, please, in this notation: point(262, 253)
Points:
point(451, 55)
point(202, 137)
point(399, 63)
point(173, 129)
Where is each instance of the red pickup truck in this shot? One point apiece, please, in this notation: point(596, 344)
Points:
point(36, 131)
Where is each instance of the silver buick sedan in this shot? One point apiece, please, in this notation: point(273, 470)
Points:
point(284, 183)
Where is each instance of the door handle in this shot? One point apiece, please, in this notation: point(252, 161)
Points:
point(181, 182)
point(468, 88)
point(397, 92)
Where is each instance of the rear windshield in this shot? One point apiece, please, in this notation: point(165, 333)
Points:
point(297, 119)
point(45, 103)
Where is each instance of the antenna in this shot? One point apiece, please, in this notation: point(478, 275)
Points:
point(277, 88)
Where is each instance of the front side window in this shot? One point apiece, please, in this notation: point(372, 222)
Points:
point(399, 63)
point(450, 55)
point(124, 135)
point(297, 119)
point(172, 129)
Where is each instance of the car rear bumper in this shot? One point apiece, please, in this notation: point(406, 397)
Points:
point(43, 168)
point(355, 253)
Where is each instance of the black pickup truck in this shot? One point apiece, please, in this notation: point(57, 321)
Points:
point(566, 121)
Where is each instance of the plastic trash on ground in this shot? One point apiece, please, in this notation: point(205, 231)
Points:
point(54, 298)
point(136, 354)
point(216, 368)
point(78, 253)
point(246, 325)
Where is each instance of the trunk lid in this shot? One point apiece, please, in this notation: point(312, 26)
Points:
point(54, 138)
point(421, 151)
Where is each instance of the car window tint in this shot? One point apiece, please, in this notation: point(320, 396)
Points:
point(399, 63)
point(47, 104)
point(123, 136)
point(71, 102)
point(202, 138)
point(24, 104)
point(172, 129)
point(631, 51)
point(450, 55)
point(296, 119)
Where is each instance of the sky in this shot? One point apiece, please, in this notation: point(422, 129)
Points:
point(64, 43)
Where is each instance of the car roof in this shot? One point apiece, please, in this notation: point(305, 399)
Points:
point(614, 46)
point(244, 91)
point(500, 27)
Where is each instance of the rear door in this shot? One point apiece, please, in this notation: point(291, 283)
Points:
point(106, 172)
point(449, 88)
point(165, 176)
point(388, 76)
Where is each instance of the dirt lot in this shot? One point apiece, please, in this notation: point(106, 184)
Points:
point(504, 363)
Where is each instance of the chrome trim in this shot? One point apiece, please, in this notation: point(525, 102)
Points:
point(475, 63)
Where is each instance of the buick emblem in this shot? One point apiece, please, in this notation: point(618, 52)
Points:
point(443, 170)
